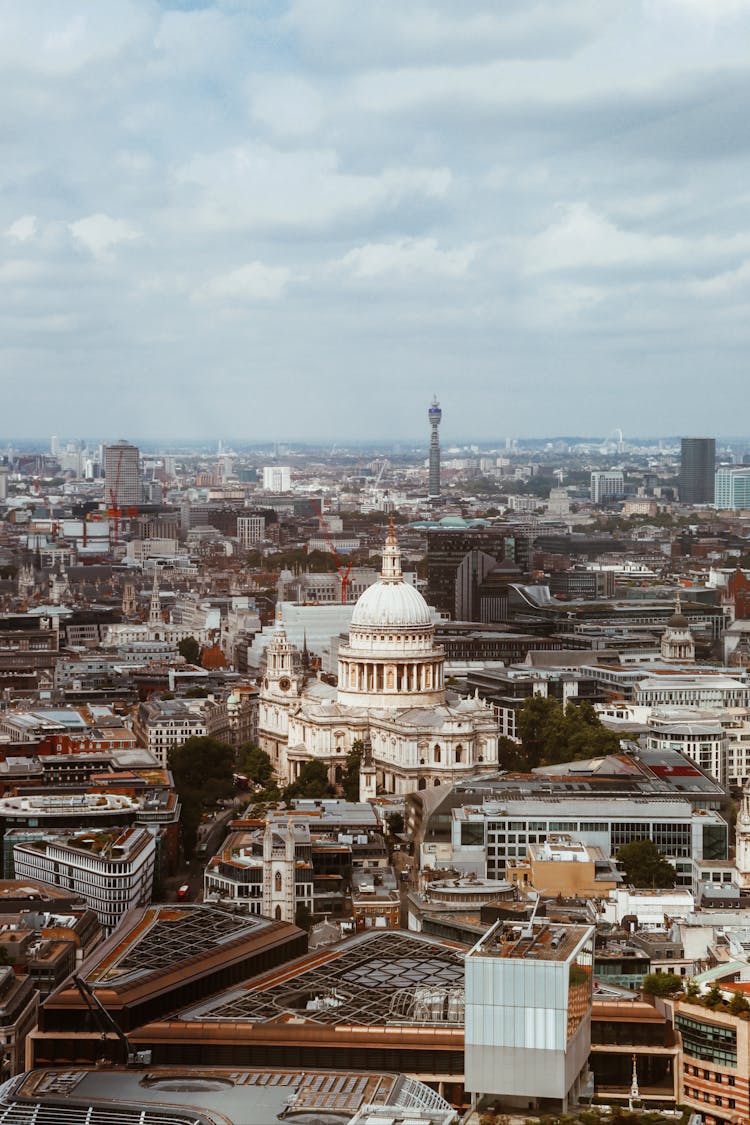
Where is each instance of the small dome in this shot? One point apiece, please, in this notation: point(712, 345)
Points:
point(678, 621)
point(391, 604)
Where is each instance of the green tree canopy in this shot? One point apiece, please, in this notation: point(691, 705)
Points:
point(203, 771)
point(645, 865)
point(254, 763)
point(551, 734)
point(350, 780)
point(662, 984)
point(190, 649)
point(312, 782)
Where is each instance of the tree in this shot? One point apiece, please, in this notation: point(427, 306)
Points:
point(203, 772)
point(738, 1004)
point(662, 984)
point(395, 822)
point(645, 866)
point(714, 996)
point(551, 734)
point(190, 649)
point(312, 782)
point(350, 779)
point(254, 763)
point(303, 916)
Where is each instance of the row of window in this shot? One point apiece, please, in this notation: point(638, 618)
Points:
point(716, 1077)
point(729, 1103)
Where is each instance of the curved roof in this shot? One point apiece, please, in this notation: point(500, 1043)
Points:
point(391, 604)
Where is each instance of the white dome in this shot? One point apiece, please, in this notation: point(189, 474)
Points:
point(391, 604)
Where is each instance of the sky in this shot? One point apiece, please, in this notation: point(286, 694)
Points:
point(298, 220)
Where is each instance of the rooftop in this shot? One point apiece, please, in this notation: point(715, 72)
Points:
point(538, 941)
point(368, 981)
point(161, 937)
point(195, 1096)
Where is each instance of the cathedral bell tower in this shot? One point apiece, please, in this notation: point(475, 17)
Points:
point(282, 680)
point(279, 866)
point(742, 839)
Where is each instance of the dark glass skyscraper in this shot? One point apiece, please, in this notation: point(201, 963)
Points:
point(697, 470)
point(434, 414)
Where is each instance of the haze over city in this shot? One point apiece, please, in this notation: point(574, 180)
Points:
point(291, 219)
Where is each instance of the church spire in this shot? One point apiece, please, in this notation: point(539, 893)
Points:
point(391, 568)
point(154, 613)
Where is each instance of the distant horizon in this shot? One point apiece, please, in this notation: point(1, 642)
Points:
point(341, 444)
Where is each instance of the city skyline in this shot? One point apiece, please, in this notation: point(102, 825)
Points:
point(216, 211)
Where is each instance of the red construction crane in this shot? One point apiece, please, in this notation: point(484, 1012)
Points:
point(343, 573)
point(115, 512)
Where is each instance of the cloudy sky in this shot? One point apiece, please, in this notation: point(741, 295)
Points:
point(299, 218)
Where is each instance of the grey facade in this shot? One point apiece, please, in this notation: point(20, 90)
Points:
point(697, 470)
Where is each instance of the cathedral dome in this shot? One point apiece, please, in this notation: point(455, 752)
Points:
point(391, 604)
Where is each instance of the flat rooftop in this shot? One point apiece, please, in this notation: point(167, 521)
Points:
point(194, 1096)
point(542, 941)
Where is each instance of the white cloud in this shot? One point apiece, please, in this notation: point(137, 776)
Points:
point(408, 258)
point(287, 105)
point(22, 229)
point(100, 233)
point(255, 281)
point(255, 185)
point(582, 238)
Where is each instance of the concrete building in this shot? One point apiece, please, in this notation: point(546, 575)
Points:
point(112, 871)
point(277, 478)
point(528, 1014)
point(732, 488)
point(607, 485)
point(122, 476)
point(697, 470)
point(491, 835)
point(19, 1003)
point(562, 865)
point(251, 530)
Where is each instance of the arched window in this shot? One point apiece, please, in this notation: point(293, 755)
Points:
point(277, 913)
point(437, 755)
point(436, 781)
point(422, 783)
point(277, 882)
point(459, 754)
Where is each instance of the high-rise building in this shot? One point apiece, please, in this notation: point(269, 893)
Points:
point(277, 478)
point(697, 470)
point(528, 1012)
point(607, 485)
point(54, 446)
point(434, 414)
point(122, 475)
point(732, 487)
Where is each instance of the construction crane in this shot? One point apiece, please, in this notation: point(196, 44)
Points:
point(115, 512)
point(342, 573)
point(108, 1023)
point(381, 470)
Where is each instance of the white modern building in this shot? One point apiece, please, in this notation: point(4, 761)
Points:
point(607, 485)
point(277, 478)
point(732, 488)
point(112, 870)
point(251, 530)
point(528, 1013)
